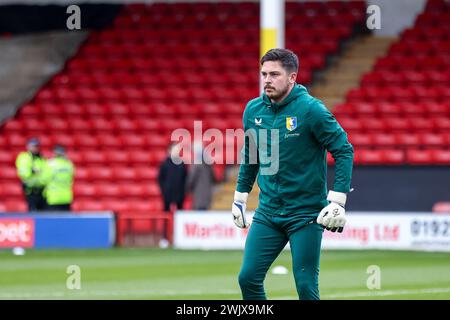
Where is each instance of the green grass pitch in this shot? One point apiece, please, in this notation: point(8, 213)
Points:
point(176, 274)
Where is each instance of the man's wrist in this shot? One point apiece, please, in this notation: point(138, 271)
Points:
point(338, 197)
point(240, 196)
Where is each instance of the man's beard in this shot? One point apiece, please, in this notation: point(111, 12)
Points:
point(275, 95)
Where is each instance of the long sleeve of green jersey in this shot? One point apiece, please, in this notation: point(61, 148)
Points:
point(248, 169)
point(332, 136)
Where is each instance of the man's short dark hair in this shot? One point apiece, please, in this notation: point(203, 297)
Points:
point(288, 59)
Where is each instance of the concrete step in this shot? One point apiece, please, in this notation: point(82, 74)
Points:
point(346, 72)
point(340, 77)
point(223, 201)
point(331, 102)
point(332, 91)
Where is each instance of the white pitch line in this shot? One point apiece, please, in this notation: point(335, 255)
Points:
point(90, 293)
point(122, 293)
point(375, 293)
point(382, 293)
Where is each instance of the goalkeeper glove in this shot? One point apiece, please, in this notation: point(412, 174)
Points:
point(238, 209)
point(332, 217)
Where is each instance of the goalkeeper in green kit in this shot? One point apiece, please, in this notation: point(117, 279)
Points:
point(288, 133)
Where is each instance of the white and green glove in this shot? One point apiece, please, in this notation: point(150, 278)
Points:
point(238, 209)
point(332, 217)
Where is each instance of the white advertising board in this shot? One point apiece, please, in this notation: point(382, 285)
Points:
point(375, 230)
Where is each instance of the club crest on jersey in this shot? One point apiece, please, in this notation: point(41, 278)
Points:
point(291, 123)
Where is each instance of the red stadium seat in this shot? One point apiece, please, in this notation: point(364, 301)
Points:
point(10, 190)
point(108, 190)
point(102, 125)
point(408, 139)
point(383, 140)
point(433, 140)
point(421, 124)
point(350, 124)
point(129, 190)
point(8, 173)
point(125, 125)
point(115, 205)
point(84, 190)
point(88, 205)
point(419, 156)
point(79, 125)
point(366, 109)
point(125, 173)
point(94, 158)
point(7, 158)
point(133, 141)
point(66, 140)
point(371, 157)
point(441, 207)
point(373, 124)
point(139, 157)
point(397, 124)
point(100, 174)
point(15, 205)
point(14, 126)
point(360, 140)
point(151, 190)
point(393, 156)
point(86, 141)
point(82, 174)
point(387, 109)
point(441, 157)
point(117, 157)
point(109, 141)
point(16, 141)
point(147, 173)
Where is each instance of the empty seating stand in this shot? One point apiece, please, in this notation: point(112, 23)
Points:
point(403, 104)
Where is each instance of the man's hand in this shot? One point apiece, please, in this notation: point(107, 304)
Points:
point(238, 209)
point(332, 217)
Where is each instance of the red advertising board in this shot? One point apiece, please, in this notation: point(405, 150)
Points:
point(16, 232)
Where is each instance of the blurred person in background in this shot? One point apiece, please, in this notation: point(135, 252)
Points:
point(201, 180)
point(172, 179)
point(58, 178)
point(30, 166)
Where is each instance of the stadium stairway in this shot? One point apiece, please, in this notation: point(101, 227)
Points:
point(224, 196)
point(357, 58)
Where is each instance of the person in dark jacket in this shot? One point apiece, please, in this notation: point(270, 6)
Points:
point(172, 179)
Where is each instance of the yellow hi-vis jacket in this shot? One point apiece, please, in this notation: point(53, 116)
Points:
point(58, 176)
point(30, 170)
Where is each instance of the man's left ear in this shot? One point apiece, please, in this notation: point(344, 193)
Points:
point(293, 77)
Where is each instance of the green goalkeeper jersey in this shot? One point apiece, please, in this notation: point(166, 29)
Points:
point(292, 179)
